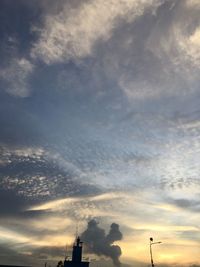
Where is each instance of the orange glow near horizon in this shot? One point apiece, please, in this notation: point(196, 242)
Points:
point(177, 246)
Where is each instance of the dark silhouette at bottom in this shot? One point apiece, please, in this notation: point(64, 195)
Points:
point(76, 260)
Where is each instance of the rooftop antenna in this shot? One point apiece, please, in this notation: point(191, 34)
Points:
point(76, 229)
point(66, 252)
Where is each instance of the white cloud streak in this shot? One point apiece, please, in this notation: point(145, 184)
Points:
point(72, 33)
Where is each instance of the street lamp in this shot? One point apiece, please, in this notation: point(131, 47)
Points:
point(150, 245)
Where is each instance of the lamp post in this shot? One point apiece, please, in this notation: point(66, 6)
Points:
point(150, 246)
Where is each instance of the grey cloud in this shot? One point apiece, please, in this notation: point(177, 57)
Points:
point(16, 35)
point(179, 26)
point(190, 235)
point(65, 24)
point(6, 251)
point(19, 221)
point(126, 63)
point(186, 203)
point(15, 214)
point(34, 172)
point(11, 203)
point(101, 244)
point(16, 76)
point(124, 116)
point(29, 256)
point(177, 183)
point(48, 252)
point(19, 126)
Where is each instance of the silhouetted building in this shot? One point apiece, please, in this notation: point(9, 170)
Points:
point(76, 260)
point(2, 265)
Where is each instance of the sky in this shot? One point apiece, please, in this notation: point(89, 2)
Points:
point(100, 119)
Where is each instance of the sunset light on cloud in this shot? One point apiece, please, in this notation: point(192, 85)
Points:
point(100, 120)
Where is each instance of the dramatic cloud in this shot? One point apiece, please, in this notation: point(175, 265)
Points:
point(65, 37)
point(101, 244)
point(100, 118)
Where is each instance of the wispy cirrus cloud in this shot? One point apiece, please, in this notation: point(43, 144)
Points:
point(65, 36)
point(109, 103)
point(178, 41)
point(140, 216)
point(143, 66)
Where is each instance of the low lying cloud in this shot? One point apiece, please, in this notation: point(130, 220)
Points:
point(101, 244)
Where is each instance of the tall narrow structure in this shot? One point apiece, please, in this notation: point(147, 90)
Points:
point(76, 260)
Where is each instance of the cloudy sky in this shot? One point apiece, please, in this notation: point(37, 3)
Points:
point(100, 118)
